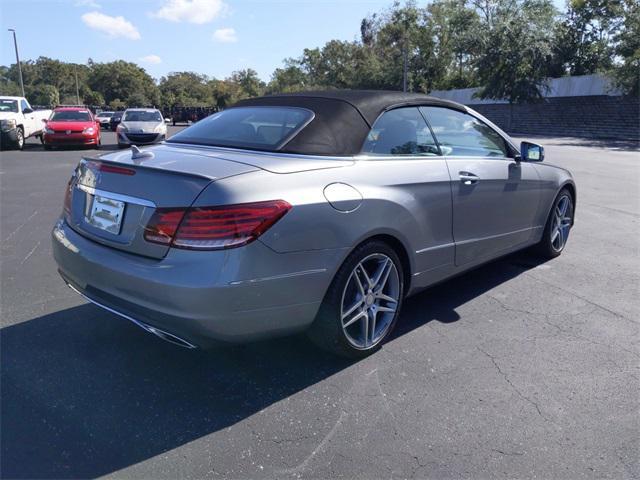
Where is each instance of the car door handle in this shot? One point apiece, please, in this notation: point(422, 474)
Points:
point(468, 178)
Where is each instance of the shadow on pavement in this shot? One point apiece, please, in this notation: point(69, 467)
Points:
point(85, 393)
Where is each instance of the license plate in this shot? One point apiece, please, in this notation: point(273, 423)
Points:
point(106, 214)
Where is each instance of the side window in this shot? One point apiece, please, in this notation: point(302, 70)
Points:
point(23, 105)
point(402, 131)
point(462, 135)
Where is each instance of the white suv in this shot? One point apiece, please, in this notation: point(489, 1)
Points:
point(141, 126)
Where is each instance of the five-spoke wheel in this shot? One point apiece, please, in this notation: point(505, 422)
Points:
point(562, 220)
point(362, 305)
point(559, 223)
point(370, 300)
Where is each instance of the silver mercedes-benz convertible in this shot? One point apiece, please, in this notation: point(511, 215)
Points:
point(316, 211)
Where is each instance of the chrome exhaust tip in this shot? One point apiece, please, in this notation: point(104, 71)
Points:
point(166, 336)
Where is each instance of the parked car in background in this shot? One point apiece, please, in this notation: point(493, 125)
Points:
point(18, 121)
point(72, 126)
point(115, 119)
point(314, 211)
point(105, 119)
point(188, 114)
point(141, 126)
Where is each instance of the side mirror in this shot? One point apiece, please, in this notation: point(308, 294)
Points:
point(27, 110)
point(531, 152)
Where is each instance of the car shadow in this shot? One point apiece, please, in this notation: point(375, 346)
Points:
point(85, 393)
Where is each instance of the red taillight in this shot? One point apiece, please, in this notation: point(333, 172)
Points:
point(163, 225)
point(210, 228)
point(103, 167)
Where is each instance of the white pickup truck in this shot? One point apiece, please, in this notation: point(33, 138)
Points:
point(19, 121)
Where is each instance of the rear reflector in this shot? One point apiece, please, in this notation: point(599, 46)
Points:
point(67, 198)
point(212, 228)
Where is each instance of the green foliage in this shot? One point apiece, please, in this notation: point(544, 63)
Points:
point(138, 99)
point(43, 95)
point(122, 79)
point(505, 47)
point(117, 104)
point(583, 41)
point(248, 82)
point(627, 74)
point(185, 89)
point(516, 50)
point(93, 98)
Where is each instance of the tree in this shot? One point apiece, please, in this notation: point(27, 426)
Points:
point(138, 99)
point(454, 28)
point(627, 73)
point(93, 98)
point(248, 81)
point(291, 78)
point(44, 95)
point(185, 89)
point(117, 104)
point(7, 85)
point(122, 79)
point(583, 41)
point(516, 50)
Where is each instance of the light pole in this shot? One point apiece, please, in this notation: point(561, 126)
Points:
point(15, 44)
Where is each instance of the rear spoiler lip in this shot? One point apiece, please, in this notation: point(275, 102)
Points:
point(150, 168)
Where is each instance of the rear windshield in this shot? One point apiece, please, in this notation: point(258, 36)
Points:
point(263, 128)
point(71, 116)
point(8, 105)
point(142, 116)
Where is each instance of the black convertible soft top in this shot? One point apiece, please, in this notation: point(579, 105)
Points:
point(342, 119)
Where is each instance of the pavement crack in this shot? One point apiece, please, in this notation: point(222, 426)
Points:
point(10, 236)
point(30, 253)
point(503, 452)
point(584, 299)
point(513, 387)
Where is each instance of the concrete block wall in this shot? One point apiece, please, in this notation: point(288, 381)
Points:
point(605, 117)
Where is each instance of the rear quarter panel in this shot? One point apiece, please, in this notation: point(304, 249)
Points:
point(407, 199)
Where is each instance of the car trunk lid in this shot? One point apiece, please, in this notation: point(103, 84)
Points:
point(114, 196)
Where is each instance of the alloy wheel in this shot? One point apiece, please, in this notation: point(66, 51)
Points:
point(561, 223)
point(370, 301)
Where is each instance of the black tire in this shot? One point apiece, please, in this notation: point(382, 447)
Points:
point(547, 248)
point(327, 331)
point(19, 138)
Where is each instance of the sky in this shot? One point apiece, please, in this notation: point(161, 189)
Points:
point(213, 37)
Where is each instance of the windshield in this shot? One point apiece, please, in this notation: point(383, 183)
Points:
point(264, 128)
point(8, 105)
point(71, 116)
point(142, 116)
point(105, 115)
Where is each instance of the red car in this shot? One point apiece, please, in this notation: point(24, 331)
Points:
point(71, 126)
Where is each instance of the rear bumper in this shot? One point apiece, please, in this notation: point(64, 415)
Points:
point(229, 296)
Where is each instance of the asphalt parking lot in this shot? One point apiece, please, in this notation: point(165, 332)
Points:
point(518, 369)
